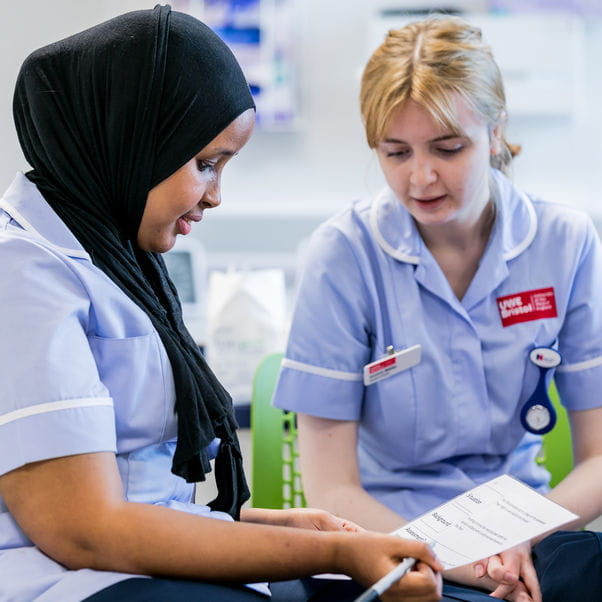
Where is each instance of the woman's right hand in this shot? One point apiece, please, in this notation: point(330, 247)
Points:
point(368, 556)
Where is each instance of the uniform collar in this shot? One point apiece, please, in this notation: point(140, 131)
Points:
point(26, 206)
point(395, 231)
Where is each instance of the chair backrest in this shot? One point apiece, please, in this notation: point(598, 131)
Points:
point(275, 472)
point(276, 476)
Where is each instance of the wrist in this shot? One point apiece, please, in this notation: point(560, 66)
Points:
point(465, 575)
point(339, 552)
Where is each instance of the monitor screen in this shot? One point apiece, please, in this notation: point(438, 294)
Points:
point(179, 266)
point(187, 267)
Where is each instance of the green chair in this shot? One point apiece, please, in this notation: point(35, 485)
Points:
point(275, 472)
point(276, 476)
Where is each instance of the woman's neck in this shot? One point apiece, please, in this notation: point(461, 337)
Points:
point(460, 236)
point(458, 248)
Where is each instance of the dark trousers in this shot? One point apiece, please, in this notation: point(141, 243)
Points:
point(173, 590)
point(568, 564)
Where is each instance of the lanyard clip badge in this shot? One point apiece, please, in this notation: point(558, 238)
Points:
point(538, 415)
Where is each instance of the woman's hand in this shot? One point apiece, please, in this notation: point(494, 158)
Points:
point(368, 556)
point(299, 518)
point(514, 573)
point(508, 576)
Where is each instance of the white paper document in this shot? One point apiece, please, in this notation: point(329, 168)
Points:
point(486, 520)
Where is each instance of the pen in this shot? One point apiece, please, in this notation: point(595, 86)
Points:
point(383, 584)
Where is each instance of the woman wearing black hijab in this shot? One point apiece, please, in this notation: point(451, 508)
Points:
point(108, 412)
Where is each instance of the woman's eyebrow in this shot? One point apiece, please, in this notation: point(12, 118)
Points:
point(437, 139)
point(223, 151)
point(447, 137)
point(394, 141)
point(217, 152)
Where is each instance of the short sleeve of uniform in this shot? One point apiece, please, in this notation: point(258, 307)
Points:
point(579, 377)
point(52, 402)
point(329, 341)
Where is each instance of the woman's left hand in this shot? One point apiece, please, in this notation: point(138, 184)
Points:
point(300, 518)
point(513, 570)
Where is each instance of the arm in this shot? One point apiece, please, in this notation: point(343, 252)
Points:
point(73, 509)
point(581, 490)
point(331, 477)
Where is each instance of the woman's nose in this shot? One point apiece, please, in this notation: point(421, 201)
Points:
point(213, 194)
point(422, 173)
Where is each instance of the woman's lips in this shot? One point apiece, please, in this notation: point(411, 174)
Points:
point(432, 199)
point(431, 203)
point(184, 223)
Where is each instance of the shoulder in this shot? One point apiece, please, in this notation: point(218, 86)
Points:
point(344, 233)
point(44, 283)
point(558, 222)
point(347, 222)
point(31, 257)
point(529, 219)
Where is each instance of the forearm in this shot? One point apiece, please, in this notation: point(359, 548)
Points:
point(331, 475)
point(354, 503)
point(153, 540)
point(581, 491)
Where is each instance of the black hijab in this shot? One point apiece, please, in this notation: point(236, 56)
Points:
point(102, 117)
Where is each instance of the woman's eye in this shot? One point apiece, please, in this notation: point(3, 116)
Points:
point(204, 165)
point(400, 154)
point(450, 150)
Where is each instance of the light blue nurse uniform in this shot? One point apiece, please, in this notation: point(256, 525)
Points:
point(82, 370)
point(452, 421)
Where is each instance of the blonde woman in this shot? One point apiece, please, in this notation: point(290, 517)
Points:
point(465, 276)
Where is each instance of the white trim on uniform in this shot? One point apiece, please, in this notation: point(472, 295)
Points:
point(516, 251)
point(385, 246)
point(400, 255)
point(593, 363)
point(340, 375)
point(52, 406)
point(6, 206)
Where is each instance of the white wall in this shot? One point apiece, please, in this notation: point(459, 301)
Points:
point(314, 171)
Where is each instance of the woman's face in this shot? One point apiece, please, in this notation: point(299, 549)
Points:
point(179, 200)
point(440, 177)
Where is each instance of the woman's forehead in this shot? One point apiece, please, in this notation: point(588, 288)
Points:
point(456, 118)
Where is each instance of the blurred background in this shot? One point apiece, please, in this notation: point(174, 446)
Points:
point(308, 157)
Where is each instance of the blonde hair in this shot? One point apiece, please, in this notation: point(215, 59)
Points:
point(429, 62)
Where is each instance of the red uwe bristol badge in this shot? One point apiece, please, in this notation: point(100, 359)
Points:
point(527, 306)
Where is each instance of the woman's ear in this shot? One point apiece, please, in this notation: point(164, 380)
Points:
point(496, 136)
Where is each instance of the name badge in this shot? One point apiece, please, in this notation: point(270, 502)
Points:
point(390, 364)
point(527, 306)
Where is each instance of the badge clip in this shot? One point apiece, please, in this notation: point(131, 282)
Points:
point(391, 363)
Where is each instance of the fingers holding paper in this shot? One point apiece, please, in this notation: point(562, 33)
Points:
point(514, 571)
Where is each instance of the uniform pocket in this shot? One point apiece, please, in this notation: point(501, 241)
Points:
point(137, 373)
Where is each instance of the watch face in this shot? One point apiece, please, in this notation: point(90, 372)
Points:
point(538, 417)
